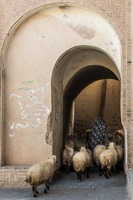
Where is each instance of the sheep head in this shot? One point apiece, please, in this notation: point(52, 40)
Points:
point(82, 149)
point(111, 145)
point(52, 159)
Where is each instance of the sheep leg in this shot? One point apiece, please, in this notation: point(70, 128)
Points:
point(105, 172)
point(94, 163)
point(100, 170)
point(79, 175)
point(47, 187)
point(118, 168)
point(66, 168)
point(35, 192)
point(121, 166)
point(106, 175)
point(114, 169)
point(109, 171)
point(87, 172)
point(45, 190)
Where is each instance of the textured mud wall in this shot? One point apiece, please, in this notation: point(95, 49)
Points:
point(87, 106)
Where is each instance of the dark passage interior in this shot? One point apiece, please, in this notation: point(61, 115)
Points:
point(89, 94)
point(93, 92)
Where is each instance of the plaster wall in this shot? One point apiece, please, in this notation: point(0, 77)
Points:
point(30, 57)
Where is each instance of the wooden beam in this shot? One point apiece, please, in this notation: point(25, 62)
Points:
point(103, 98)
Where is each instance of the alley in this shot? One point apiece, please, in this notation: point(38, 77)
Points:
point(67, 187)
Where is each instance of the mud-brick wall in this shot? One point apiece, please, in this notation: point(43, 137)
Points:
point(13, 177)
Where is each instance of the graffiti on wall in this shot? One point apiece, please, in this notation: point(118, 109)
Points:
point(26, 85)
point(31, 108)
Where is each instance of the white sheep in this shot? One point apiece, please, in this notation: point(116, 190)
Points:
point(108, 159)
point(115, 157)
point(120, 156)
point(81, 162)
point(68, 154)
point(106, 162)
point(41, 173)
point(96, 153)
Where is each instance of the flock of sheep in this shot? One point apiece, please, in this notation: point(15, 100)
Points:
point(106, 158)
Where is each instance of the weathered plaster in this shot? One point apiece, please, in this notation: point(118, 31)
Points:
point(29, 65)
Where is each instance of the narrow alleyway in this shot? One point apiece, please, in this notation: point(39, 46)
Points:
point(67, 187)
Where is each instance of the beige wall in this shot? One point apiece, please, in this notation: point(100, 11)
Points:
point(30, 57)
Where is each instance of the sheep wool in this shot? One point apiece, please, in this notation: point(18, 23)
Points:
point(81, 160)
point(120, 156)
point(72, 143)
point(41, 173)
point(120, 152)
point(89, 156)
point(96, 152)
point(68, 154)
point(112, 148)
point(108, 159)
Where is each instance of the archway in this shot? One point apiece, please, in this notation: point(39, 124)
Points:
point(77, 68)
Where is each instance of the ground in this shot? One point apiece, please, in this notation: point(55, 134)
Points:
point(67, 187)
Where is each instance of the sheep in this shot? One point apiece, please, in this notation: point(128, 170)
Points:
point(115, 157)
point(108, 159)
point(41, 173)
point(71, 143)
point(81, 162)
point(68, 154)
point(96, 153)
point(120, 155)
point(119, 137)
point(106, 162)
